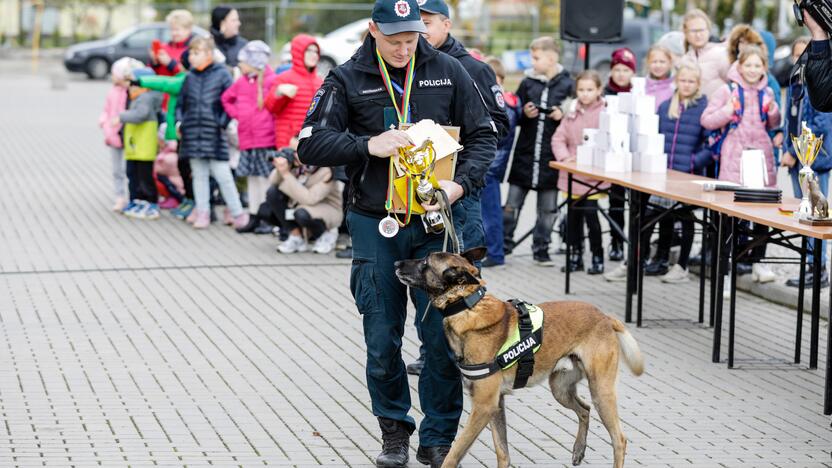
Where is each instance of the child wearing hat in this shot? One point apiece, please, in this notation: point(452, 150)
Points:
point(245, 102)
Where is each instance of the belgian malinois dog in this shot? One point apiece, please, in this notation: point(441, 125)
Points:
point(578, 341)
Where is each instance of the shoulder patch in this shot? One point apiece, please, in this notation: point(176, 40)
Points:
point(498, 96)
point(315, 100)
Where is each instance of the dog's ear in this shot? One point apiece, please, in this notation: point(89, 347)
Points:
point(475, 254)
point(456, 275)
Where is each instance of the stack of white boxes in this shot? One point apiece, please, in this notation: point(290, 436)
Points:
point(628, 138)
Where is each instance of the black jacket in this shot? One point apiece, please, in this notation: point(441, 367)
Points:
point(819, 75)
point(530, 167)
point(230, 48)
point(349, 109)
point(201, 115)
point(486, 82)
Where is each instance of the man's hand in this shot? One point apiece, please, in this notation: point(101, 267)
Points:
point(282, 165)
point(452, 189)
point(386, 144)
point(556, 114)
point(818, 33)
point(787, 160)
point(531, 110)
point(778, 140)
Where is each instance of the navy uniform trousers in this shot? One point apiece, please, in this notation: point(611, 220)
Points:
point(382, 301)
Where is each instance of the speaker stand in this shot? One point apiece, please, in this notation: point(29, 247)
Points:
point(586, 56)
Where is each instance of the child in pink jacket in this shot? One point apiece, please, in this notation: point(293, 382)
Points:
point(114, 104)
point(746, 109)
point(565, 143)
point(659, 79)
point(245, 102)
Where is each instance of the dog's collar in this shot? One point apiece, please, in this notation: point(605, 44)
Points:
point(463, 303)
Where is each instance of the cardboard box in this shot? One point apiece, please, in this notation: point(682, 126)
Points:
point(586, 152)
point(644, 105)
point(645, 124)
point(612, 104)
point(652, 163)
point(611, 161)
point(638, 85)
point(589, 135)
point(648, 144)
point(616, 122)
point(625, 103)
point(613, 141)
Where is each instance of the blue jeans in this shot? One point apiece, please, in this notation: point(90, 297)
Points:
point(492, 219)
point(823, 181)
point(201, 170)
point(382, 302)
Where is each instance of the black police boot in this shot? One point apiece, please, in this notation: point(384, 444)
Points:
point(810, 275)
point(395, 444)
point(433, 456)
point(575, 263)
point(415, 367)
point(616, 251)
point(597, 267)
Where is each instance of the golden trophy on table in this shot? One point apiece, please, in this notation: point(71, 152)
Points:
point(814, 208)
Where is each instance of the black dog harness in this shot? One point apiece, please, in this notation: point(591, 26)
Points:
point(521, 353)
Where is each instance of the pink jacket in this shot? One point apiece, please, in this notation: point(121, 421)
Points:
point(751, 132)
point(566, 139)
point(662, 90)
point(289, 113)
point(114, 104)
point(256, 126)
point(713, 63)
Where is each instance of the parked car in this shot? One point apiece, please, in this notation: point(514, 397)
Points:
point(95, 57)
point(638, 34)
point(336, 47)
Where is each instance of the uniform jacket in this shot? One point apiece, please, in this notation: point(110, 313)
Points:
point(140, 126)
point(685, 139)
point(349, 109)
point(819, 75)
point(290, 112)
point(256, 126)
point(530, 167)
point(713, 62)
point(318, 193)
point(751, 131)
point(662, 90)
point(567, 138)
point(201, 115)
point(229, 47)
point(114, 104)
point(486, 82)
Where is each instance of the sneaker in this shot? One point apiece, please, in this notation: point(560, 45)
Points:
point(597, 267)
point(415, 367)
point(293, 244)
point(656, 267)
point(119, 204)
point(227, 219)
point(192, 217)
point(543, 259)
point(489, 262)
point(346, 253)
point(151, 211)
point(761, 273)
point(325, 243)
point(184, 209)
point(130, 206)
point(617, 275)
point(676, 274)
point(240, 221)
point(616, 252)
point(169, 203)
point(344, 241)
point(824, 278)
point(202, 219)
point(136, 210)
point(264, 228)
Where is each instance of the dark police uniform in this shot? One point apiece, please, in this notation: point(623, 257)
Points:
point(347, 110)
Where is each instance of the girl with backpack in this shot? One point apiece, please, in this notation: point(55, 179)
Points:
point(746, 109)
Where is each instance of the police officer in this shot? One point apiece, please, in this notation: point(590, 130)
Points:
point(348, 123)
point(436, 16)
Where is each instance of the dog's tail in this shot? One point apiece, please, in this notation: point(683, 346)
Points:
point(629, 348)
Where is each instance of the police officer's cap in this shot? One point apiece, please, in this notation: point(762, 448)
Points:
point(397, 16)
point(437, 7)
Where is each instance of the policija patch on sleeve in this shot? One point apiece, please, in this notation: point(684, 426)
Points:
point(498, 96)
point(315, 100)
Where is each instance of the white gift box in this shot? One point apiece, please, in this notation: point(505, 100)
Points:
point(648, 144)
point(586, 153)
point(613, 161)
point(644, 105)
point(653, 163)
point(625, 103)
point(638, 83)
point(646, 124)
point(589, 135)
point(612, 104)
point(615, 122)
point(613, 141)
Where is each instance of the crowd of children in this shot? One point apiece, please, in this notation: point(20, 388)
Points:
point(705, 92)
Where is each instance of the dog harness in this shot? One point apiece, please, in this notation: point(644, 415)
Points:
point(519, 347)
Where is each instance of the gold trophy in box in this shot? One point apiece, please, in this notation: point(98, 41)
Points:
point(418, 164)
point(813, 206)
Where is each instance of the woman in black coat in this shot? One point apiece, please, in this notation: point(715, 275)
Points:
point(225, 28)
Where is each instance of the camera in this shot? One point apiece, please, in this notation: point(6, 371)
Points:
point(821, 11)
point(286, 153)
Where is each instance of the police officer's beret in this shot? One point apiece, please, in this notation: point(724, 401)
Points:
point(437, 7)
point(397, 16)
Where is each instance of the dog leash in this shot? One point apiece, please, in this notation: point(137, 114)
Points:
point(450, 231)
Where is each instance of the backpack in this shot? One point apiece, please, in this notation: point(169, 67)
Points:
point(717, 137)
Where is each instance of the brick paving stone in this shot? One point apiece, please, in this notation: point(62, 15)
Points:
point(143, 343)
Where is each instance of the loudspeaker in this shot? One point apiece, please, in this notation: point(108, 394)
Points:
point(591, 20)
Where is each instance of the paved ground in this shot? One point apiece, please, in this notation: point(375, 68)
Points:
point(146, 343)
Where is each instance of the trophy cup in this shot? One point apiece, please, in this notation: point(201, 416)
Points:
point(813, 206)
point(419, 163)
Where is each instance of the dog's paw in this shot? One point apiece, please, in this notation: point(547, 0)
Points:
point(578, 454)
